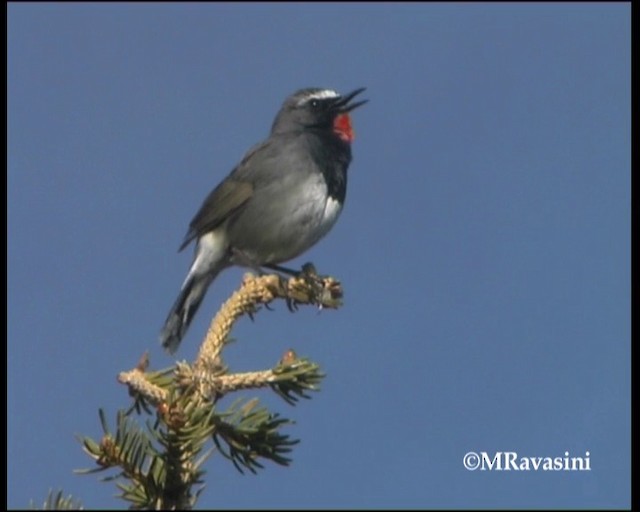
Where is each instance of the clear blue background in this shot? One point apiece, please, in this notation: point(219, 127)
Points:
point(484, 247)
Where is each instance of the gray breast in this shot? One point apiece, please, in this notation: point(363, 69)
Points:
point(284, 219)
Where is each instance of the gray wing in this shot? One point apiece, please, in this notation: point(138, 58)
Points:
point(225, 199)
point(230, 195)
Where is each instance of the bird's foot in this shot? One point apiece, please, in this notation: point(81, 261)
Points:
point(321, 290)
point(305, 285)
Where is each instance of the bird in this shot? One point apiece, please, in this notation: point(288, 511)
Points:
point(286, 193)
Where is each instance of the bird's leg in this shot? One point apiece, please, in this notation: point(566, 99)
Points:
point(243, 259)
point(282, 270)
point(308, 270)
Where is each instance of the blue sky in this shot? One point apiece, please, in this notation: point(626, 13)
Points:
point(484, 247)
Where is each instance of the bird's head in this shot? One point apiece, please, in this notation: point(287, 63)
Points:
point(316, 108)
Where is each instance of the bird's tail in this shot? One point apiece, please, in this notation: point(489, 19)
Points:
point(183, 310)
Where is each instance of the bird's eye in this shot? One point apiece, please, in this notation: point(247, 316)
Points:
point(314, 103)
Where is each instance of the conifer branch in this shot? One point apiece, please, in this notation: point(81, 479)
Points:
point(57, 501)
point(162, 467)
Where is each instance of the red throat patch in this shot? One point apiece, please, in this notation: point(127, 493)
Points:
point(342, 127)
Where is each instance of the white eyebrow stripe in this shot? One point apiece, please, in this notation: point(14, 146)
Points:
point(324, 94)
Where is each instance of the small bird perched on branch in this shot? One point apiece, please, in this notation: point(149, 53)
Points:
point(281, 199)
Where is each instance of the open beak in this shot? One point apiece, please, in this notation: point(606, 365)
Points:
point(342, 104)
